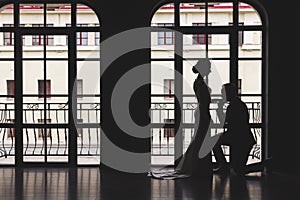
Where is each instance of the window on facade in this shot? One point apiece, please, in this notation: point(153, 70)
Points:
point(41, 131)
point(82, 37)
point(8, 37)
point(10, 88)
point(97, 38)
point(165, 38)
point(201, 38)
point(169, 88)
point(41, 88)
point(169, 132)
point(38, 40)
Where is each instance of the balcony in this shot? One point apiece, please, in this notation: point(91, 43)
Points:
point(45, 131)
point(51, 136)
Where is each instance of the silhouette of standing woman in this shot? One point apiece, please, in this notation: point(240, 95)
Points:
point(190, 164)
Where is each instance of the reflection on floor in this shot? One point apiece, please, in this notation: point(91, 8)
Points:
point(91, 183)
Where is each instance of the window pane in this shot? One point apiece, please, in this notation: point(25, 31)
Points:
point(57, 110)
point(250, 74)
point(248, 15)
point(57, 145)
point(92, 40)
point(169, 34)
point(88, 144)
point(57, 72)
point(169, 41)
point(35, 40)
point(220, 13)
point(219, 47)
point(161, 41)
point(160, 71)
point(84, 42)
point(29, 10)
point(56, 47)
point(219, 74)
point(89, 74)
point(164, 14)
point(85, 15)
point(8, 12)
point(6, 76)
point(191, 49)
point(192, 12)
point(32, 72)
point(252, 45)
point(32, 110)
point(58, 14)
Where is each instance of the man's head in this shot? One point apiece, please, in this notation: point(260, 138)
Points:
point(229, 91)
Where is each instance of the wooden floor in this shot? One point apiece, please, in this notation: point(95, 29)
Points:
point(91, 183)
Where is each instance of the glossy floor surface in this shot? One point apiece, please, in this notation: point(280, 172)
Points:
point(92, 184)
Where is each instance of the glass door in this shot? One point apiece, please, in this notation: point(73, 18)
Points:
point(45, 94)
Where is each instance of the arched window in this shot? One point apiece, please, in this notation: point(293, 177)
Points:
point(50, 88)
point(233, 35)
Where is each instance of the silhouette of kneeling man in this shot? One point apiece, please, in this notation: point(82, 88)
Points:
point(237, 133)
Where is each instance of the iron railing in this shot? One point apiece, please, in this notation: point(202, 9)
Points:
point(46, 129)
point(53, 132)
point(163, 129)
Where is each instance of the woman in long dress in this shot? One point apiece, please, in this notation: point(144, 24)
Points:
point(190, 164)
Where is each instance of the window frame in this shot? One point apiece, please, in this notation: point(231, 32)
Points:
point(234, 31)
point(21, 125)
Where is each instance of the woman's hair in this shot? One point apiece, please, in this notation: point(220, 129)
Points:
point(195, 70)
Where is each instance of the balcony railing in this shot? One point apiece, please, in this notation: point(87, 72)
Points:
point(46, 129)
point(50, 136)
point(163, 129)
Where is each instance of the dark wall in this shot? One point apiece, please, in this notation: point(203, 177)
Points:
point(120, 15)
point(283, 84)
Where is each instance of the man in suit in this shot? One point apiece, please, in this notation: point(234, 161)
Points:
point(237, 133)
